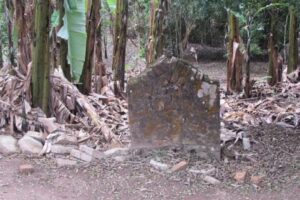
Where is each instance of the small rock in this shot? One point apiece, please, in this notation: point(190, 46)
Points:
point(115, 152)
point(159, 165)
point(86, 149)
point(36, 135)
point(211, 180)
point(26, 169)
point(180, 166)
point(240, 176)
point(60, 149)
point(81, 155)
point(120, 158)
point(203, 171)
point(65, 162)
point(246, 143)
point(8, 145)
point(30, 145)
point(90, 151)
point(50, 124)
point(256, 180)
point(66, 140)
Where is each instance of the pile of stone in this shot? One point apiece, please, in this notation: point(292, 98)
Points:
point(65, 148)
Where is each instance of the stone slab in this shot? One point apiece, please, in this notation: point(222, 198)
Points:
point(172, 102)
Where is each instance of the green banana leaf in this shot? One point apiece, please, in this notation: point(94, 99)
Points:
point(74, 31)
point(112, 5)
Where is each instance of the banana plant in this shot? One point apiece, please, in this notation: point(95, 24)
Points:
point(74, 31)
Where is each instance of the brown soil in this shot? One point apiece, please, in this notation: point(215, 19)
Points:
point(132, 179)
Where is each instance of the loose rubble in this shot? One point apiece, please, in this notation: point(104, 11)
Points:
point(257, 180)
point(30, 145)
point(62, 162)
point(211, 180)
point(180, 166)
point(159, 165)
point(8, 145)
point(26, 169)
point(240, 176)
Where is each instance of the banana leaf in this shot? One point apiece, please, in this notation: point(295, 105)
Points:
point(74, 31)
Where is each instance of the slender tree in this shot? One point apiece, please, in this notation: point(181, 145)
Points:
point(274, 71)
point(9, 10)
point(293, 44)
point(100, 70)
point(234, 63)
point(156, 41)
point(40, 61)
point(93, 22)
point(23, 15)
point(1, 54)
point(120, 39)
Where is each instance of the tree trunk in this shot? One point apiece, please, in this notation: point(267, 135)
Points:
point(293, 44)
point(9, 13)
point(189, 28)
point(156, 39)
point(1, 54)
point(234, 63)
point(99, 65)
point(23, 22)
point(248, 61)
point(274, 68)
point(40, 61)
point(120, 40)
point(86, 77)
point(63, 48)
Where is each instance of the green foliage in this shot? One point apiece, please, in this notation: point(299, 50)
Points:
point(112, 4)
point(3, 29)
point(140, 10)
point(74, 31)
point(256, 50)
point(54, 21)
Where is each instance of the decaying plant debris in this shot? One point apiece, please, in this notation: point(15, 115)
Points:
point(278, 105)
point(104, 117)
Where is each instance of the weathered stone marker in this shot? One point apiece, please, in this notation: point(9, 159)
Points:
point(172, 102)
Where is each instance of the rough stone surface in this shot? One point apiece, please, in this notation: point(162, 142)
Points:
point(90, 151)
point(240, 176)
point(26, 169)
point(211, 180)
point(66, 140)
point(36, 135)
point(61, 162)
point(60, 149)
point(159, 165)
point(8, 145)
point(172, 102)
point(120, 158)
point(180, 166)
point(115, 152)
point(30, 145)
point(81, 155)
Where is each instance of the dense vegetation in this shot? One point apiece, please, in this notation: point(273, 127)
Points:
point(73, 33)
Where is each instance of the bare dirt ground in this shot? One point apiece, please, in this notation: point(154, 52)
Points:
point(275, 155)
point(217, 70)
point(134, 179)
